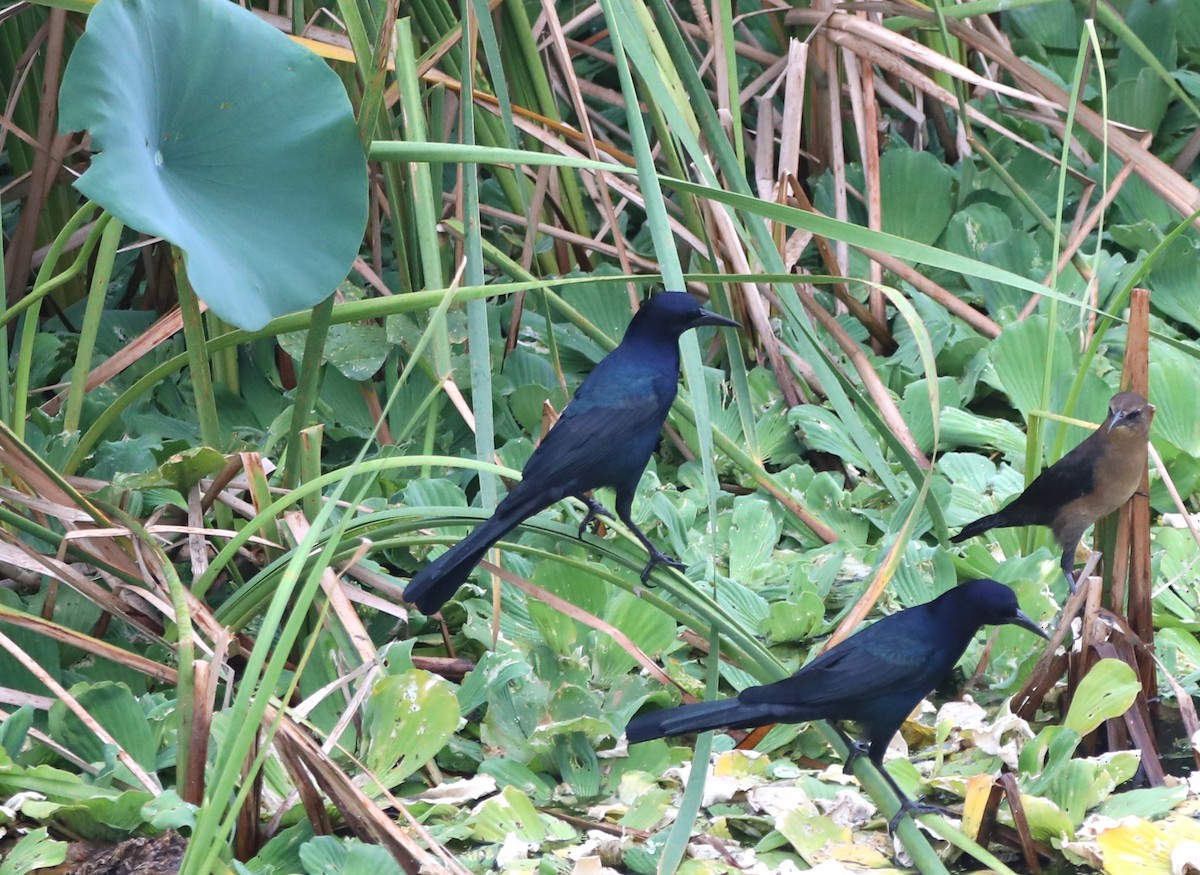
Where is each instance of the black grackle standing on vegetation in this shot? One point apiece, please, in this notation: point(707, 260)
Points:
point(1088, 483)
point(604, 437)
point(874, 678)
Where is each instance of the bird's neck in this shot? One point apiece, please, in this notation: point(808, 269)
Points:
point(957, 625)
point(1127, 437)
point(657, 346)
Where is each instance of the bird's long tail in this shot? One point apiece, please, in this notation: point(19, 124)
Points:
point(981, 525)
point(438, 581)
point(699, 717)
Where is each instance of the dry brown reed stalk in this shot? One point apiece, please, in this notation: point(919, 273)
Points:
point(1006, 785)
point(569, 79)
point(876, 326)
point(48, 158)
point(335, 591)
point(1131, 582)
point(861, 80)
point(887, 50)
point(163, 329)
point(1174, 189)
point(312, 769)
point(981, 322)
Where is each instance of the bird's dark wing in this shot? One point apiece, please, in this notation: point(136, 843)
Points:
point(1069, 478)
point(876, 661)
point(603, 433)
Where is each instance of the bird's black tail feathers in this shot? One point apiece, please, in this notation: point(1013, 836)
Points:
point(699, 717)
point(981, 525)
point(437, 582)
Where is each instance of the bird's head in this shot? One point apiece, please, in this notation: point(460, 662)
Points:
point(674, 313)
point(990, 603)
point(1129, 415)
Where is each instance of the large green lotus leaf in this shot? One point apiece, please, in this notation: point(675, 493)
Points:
point(221, 135)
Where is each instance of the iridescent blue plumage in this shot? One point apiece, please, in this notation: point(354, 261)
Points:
point(874, 678)
point(605, 437)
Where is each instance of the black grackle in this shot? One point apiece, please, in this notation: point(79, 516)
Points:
point(874, 678)
point(1088, 483)
point(604, 437)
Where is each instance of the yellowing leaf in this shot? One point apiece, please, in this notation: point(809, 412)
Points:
point(979, 789)
point(1135, 847)
point(859, 856)
point(738, 763)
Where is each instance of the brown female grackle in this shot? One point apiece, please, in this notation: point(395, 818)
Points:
point(1088, 483)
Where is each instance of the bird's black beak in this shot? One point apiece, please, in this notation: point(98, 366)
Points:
point(1117, 416)
point(707, 317)
point(1023, 620)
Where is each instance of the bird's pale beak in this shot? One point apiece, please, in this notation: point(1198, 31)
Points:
point(707, 317)
point(1026, 622)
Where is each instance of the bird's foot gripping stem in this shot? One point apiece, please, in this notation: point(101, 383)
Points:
point(595, 510)
point(658, 557)
point(907, 806)
point(914, 808)
point(854, 750)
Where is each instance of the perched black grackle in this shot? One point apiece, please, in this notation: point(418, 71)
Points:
point(874, 678)
point(604, 437)
point(1088, 483)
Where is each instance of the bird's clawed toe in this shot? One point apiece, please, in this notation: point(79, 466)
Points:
point(658, 557)
point(913, 808)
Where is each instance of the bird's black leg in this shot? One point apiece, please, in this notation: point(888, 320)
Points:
point(595, 509)
point(856, 749)
point(657, 556)
point(1068, 566)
